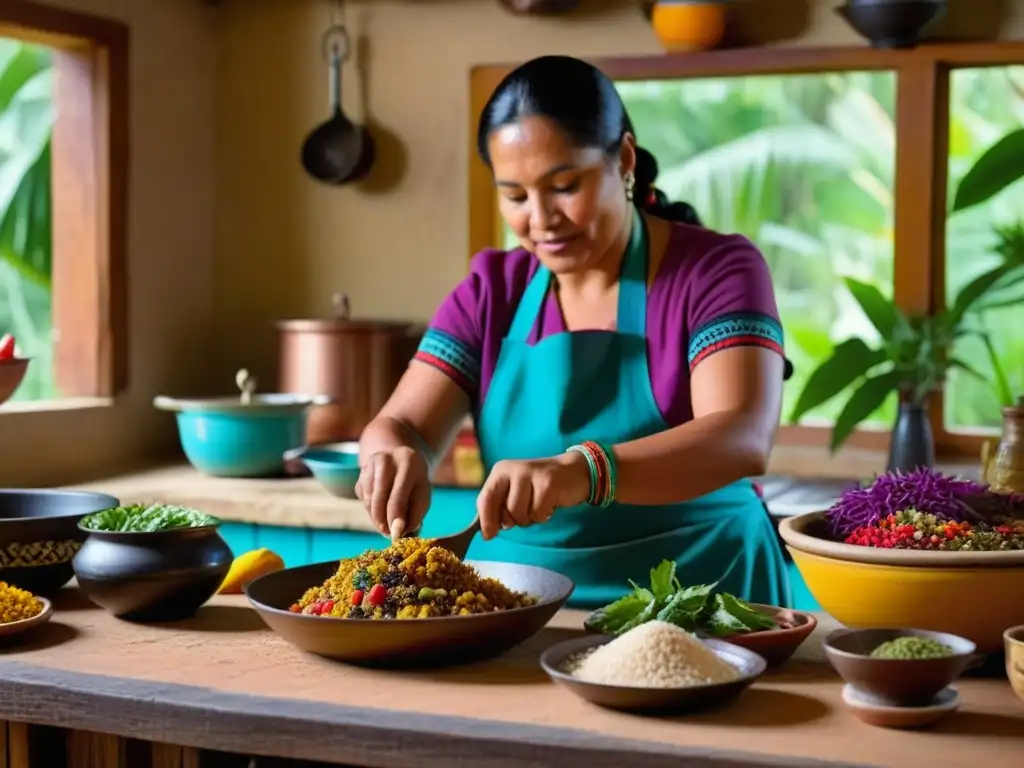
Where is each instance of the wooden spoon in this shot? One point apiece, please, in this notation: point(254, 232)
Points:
point(457, 544)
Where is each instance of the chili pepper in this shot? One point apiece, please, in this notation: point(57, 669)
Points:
point(378, 594)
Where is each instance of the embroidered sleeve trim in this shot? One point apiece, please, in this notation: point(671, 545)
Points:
point(739, 329)
point(453, 357)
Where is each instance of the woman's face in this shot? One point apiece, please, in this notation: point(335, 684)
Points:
point(565, 204)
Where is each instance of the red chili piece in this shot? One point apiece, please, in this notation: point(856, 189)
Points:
point(378, 594)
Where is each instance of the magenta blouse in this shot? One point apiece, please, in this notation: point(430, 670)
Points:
point(711, 292)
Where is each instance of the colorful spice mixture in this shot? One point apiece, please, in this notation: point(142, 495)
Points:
point(411, 579)
point(17, 604)
point(912, 647)
point(917, 530)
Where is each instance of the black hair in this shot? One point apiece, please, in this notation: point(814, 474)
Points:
point(583, 102)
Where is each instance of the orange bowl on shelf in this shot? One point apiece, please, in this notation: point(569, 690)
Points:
point(11, 374)
point(689, 25)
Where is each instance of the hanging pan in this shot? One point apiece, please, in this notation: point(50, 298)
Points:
point(338, 150)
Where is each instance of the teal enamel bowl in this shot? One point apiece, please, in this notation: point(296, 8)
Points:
point(335, 467)
point(228, 438)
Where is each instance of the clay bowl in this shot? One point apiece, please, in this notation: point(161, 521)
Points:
point(637, 699)
point(809, 533)
point(870, 710)
point(17, 627)
point(1013, 640)
point(896, 682)
point(39, 535)
point(777, 645)
point(902, 585)
point(442, 641)
point(11, 374)
point(154, 575)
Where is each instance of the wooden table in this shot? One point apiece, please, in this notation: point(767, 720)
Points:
point(222, 681)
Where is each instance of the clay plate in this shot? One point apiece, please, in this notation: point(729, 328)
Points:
point(874, 712)
point(669, 700)
point(897, 682)
point(17, 627)
point(438, 641)
point(776, 645)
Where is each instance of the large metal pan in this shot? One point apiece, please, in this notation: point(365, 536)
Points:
point(439, 641)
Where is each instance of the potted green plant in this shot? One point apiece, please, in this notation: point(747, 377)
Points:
point(916, 352)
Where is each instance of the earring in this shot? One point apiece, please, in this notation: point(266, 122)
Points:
point(630, 181)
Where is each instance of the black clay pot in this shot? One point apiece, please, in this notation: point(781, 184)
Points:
point(912, 444)
point(158, 576)
point(892, 23)
point(39, 535)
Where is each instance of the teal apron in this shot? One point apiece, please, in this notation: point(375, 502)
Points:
point(594, 385)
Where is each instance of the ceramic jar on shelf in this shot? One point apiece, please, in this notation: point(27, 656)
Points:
point(689, 25)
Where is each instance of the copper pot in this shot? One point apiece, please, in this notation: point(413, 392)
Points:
point(356, 362)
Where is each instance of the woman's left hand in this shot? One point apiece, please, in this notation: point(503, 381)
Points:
point(528, 492)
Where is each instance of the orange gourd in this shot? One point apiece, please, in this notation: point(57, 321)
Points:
point(689, 25)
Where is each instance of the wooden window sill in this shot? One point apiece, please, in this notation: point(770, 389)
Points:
point(62, 405)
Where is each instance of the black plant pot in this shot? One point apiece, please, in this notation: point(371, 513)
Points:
point(892, 23)
point(912, 444)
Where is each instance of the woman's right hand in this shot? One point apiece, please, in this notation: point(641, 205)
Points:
point(394, 486)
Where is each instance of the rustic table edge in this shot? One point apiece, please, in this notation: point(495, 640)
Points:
point(258, 725)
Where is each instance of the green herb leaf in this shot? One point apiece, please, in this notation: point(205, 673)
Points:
point(850, 360)
point(751, 619)
point(685, 607)
point(611, 619)
point(862, 403)
point(663, 580)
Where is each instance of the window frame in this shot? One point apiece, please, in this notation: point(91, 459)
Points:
point(921, 163)
point(90, 147)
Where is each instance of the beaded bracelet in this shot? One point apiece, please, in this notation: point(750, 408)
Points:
point(603, 472)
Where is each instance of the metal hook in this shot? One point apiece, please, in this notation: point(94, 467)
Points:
point(335, 44)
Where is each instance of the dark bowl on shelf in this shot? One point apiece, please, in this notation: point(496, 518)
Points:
point(896, 682)
point(39, 535)
point(892, 23)
point(152, 576)
point(11, 374)
point(433, 642)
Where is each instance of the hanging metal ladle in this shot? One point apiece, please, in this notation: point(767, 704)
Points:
point(335, 149)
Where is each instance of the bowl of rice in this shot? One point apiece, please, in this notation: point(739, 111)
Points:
point(654, 667)
point(409, 605)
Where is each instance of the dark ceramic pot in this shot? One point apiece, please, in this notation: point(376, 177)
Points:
point(157, 576)
point(39, 535)
point(892, 23)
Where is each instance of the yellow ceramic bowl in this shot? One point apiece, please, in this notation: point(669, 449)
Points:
point(1014, 643)
point(976, 603)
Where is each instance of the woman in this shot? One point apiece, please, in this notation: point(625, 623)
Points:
point(624, 367)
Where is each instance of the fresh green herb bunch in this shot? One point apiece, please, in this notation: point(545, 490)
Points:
point(140, 518)
point(697, 608)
